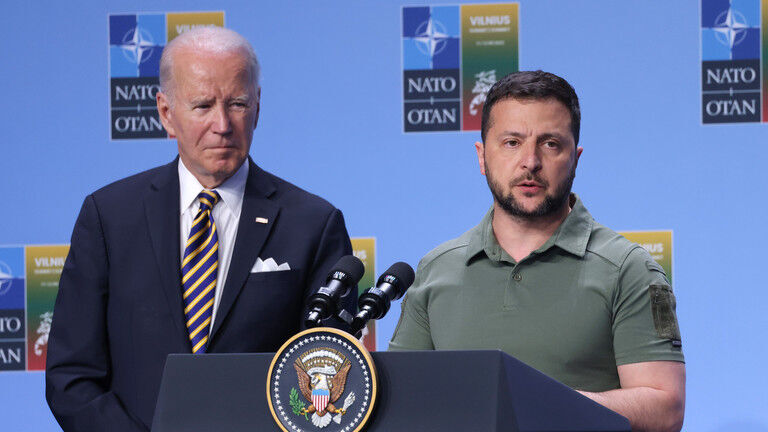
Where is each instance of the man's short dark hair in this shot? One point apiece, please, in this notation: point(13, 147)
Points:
point(532, 85)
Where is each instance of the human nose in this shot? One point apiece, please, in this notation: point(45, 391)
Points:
point(531, 159)
point(221, 123)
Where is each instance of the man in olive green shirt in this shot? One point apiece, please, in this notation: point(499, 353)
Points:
point(539, 279)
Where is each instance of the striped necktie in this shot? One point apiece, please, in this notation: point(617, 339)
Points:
point(199, 270)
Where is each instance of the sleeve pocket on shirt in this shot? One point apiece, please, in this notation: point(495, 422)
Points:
point(664, 318)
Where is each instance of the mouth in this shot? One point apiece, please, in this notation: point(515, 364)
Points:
point(530, 187)
point(221, 147)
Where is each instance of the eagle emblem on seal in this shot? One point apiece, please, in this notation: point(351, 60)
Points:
point(322, 375)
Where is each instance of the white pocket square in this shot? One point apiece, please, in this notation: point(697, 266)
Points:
point(268, 265)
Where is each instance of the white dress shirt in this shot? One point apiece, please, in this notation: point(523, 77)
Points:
point(226, 215)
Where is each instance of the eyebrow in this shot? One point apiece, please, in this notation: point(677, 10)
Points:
point(199, 100)
point(541, 137)
point(551, 135)
point(207, 99)
point(513, 134)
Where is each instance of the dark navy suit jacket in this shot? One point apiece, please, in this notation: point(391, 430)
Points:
point(119, 310)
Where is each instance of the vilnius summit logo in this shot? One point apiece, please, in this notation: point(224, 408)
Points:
point(452, 55)
point(136, 42)
point(732, 61)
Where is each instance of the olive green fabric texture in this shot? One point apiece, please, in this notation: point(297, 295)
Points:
point(575, 308)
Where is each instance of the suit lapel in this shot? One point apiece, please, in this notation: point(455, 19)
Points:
point(162, 211)
point(251, 236)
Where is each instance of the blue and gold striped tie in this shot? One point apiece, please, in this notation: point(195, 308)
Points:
point(198, 272)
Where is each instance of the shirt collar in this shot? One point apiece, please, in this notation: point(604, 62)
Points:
point(482, 239)
point(231, 191)
point(571, 236)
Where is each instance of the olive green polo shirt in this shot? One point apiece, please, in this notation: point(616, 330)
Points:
point(583, 303)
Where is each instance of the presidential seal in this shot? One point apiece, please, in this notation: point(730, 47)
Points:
point(322, 379)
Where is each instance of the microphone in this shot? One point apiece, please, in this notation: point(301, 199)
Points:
point(323, 304)
point(375, 302)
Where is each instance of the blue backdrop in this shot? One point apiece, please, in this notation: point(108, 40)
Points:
point(331, 122)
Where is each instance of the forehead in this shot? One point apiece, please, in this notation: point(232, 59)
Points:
point(195, 68)
point(536, 114)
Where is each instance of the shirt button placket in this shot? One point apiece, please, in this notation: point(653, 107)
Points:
point(510, 296)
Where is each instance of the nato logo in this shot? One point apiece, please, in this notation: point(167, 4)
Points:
point(12, 310)
point(6, 278)
point(136, 43)
point(11, 278)
point(431, 68)
point(730, 53)
point(431, 38)
point(730, 30)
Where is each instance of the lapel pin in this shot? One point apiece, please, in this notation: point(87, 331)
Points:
point(262, 220)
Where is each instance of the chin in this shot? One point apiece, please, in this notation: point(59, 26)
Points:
point(224, 168)
point(529, 203)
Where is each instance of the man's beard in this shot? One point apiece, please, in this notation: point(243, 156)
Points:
point(551, 204)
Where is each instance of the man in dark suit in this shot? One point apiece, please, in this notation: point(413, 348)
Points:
point(206, 254)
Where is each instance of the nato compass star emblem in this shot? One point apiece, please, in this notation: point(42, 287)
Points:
point(6, 278)
point(731, 27)
point(322, 379)
point(137, 45)
point(431, 38)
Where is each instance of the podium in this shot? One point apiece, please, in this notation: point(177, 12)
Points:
point(418, 391)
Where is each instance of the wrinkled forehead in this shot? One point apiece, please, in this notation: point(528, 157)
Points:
point(187, 58)
point(192, 66)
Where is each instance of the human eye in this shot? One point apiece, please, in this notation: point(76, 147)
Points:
point(238, 105)
point(551, 144)
point(512, 142)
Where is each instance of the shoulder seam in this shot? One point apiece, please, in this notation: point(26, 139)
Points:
point(448, 249)
point(618, 263)
point(621, 267)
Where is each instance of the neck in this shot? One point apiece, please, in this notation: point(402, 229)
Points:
point(208, 180)
point(520, 236)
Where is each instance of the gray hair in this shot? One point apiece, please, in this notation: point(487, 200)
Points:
point(210, 39)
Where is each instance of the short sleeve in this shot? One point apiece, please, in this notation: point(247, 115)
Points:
point(645, 326)
point(413, 331)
